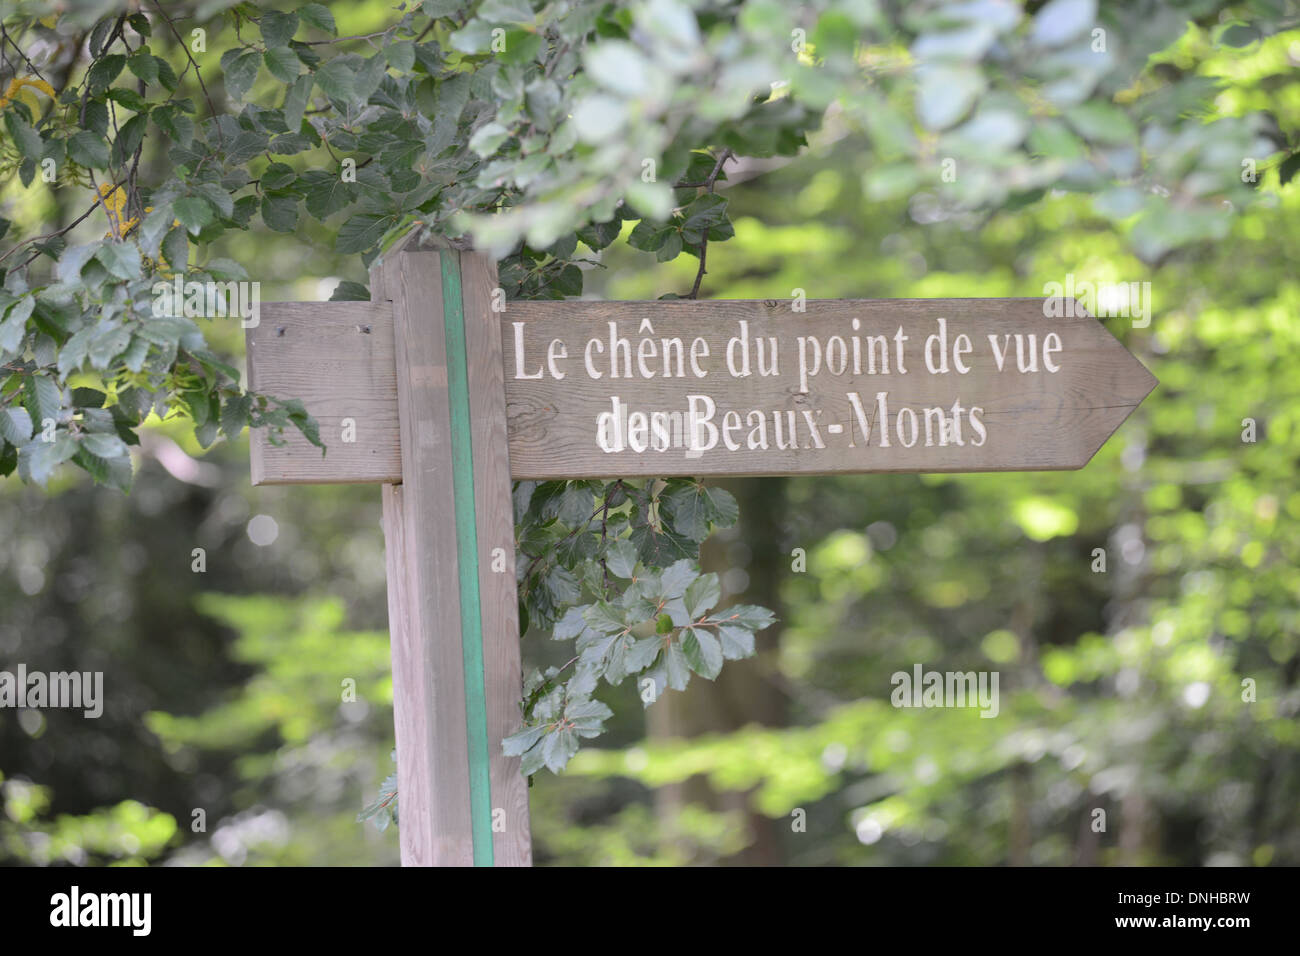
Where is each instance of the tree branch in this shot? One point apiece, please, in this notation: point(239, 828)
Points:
point(709, 184)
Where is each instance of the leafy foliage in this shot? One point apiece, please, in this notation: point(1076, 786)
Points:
point(614, 568)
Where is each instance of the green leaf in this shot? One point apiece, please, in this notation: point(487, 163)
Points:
point(1239, 35)
point(487, 139)
point(721, 506)
point(104, 445)
point(83, 397)
point(104, 71)
point(362, 232)
point(599, 118)
point(43, 457)
point(176, 248)
point(42, 399)
point(587, 715)
point(175, 124)
point(13, 327)
point(280, 212)
point(737, 642)
point(557, 747)
point(193, 212)
point(240, 67)
point(643, 653)
point(278, 176)
point(234, 415)
point(521, 47)
point(677, 665)
point(122, 259)
point(945, 93)
point(337, 81)
point(166, 75)
point(621, 558)
point(506, 11)
point(318, 16)
point(702, 594)
point(74, 259)
point(295, 101)
point(660, 547)
point(400, 56)
point(283, 64)
point(348, 291)
point(107, 344)
point(143, 64)
point(649, 236)
point(129, 99)
point(703, 652)
point(677, 577)
point(570, 626)
point(129, 138)
point(604, 618)
point(619, 67)
point(688, 508)
point(87, 149)
point(519, 743)
point(1102, 122)
point(706, 211)
point(73, 353)
point(327, 193)
point(26, 138)
point(747, 615)
point(474, 37)
point(1060, 21)
point(278, 28)
point(15, 426)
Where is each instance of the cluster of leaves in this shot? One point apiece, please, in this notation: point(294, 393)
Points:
point(613, 567)
point(383, 809)
point(1072, 99)
point(967, 106)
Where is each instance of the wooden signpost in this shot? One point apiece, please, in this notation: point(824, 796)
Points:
point(447, 393)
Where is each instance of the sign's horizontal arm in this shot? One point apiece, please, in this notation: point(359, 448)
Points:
point(724, 387)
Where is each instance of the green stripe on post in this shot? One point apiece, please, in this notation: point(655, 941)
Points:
point(471, 615)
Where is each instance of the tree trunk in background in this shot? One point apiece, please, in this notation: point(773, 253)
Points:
point(751, 560)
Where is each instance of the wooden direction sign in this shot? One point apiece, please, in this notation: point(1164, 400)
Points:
point(442, 391)
point(641, 389)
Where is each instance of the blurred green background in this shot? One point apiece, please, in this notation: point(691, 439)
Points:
point(1161, 691)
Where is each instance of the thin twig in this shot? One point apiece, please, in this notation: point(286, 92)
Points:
point(58, 232)
point(709, 184)
point(359, 36)
point(4, 35)
point(221, 139)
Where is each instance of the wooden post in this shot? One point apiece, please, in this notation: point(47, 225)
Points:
point(454, 619)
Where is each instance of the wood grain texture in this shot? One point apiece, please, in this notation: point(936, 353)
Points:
point(495, 519)
point(1035, 421)
point(338, 358)
point(419, 517)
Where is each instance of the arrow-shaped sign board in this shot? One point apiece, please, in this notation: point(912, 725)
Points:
point(661, 388)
